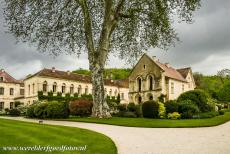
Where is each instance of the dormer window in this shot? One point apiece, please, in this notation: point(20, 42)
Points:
point(1, 78)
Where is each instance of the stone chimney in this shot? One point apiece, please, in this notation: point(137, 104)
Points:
point(53, 69)
point(154, 58)
point(167, 64)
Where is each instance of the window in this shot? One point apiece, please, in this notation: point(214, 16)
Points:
point(11, 91)
point(150, 83)
point(79, 90)
point(122, 96)
point(115, 92)
point(1, 78)
point(44, 87)
point(21, 91)
point(139, 84)
point(28, 89)
point(33, 89)
point(1, 106)
point(182, 87)
point(63, 88)
point(110, 92)
point(144, 66)
point(172, 88)
point(86, 90)
point(71, 89)
point(11, 105)
point(55, 87)
point(1, 91)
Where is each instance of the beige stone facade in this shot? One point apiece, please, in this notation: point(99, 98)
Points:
point(66, 82)
point(11, 91)
point(151, 79)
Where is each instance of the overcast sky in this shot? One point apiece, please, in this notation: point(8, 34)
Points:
point(205, 46)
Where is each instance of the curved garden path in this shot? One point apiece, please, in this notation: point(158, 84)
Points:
point(133, 140)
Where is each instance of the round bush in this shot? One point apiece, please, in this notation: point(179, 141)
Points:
point(131, 107)
point(150, 109)
point(81, 107)
point(14, 112)
point(187, 109)
point(39, 110)
point(199, 97)
point(56, 109)
point(171, 106)
point(138, 110)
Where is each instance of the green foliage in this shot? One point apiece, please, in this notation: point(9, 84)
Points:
point(171, 106)
point(56, 109)
point(118, 98)
point(14, 112)
point(30, 111)
point(122, 107)
point(81, 107)
point(150, 109)
point(161, 110)
point(17, 103)
point(207, 115)
point(126, 114)
point(111, 73)
point(131, 107)
point(187, 109)
point(174, 116)
point(40, 110)
point(198, 97)
point(221, 112)
point(224, 93)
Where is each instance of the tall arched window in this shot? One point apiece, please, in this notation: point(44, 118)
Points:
point(33, 88)
point(139, 84)
point(44, 87)
point(55, 87)
point(79, 90)
point(63, 88)
point(150, 83)
point(86, 90)
point(71, 90)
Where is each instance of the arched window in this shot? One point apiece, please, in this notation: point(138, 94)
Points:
point(150, 83)
point(28, 89)
point(86, 90)
point(71, 90)
point(55, 87)
point(139, 84)
point(44, 87)
point(63, 88)
point(33, 88)
point(115, 92)
point(79, 90)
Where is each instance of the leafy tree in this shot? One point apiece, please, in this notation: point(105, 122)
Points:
point(224, 93)
point(98, 27)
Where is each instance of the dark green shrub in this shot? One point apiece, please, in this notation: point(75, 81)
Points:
point(14, 112)
point(171, 106)
point(118, 100)
point(39, 110)
point(7, 110)
point(129, 115)
point(138, 110)
point(17, 103)
point(30, 111)
point(81, 107)
point(224, 93)
point(187, 109)
point(122, 107)
point(150, 109)
point(221, 112)
point(56, 109)
point(198, 97)
point(131, 107)
point(207, 115)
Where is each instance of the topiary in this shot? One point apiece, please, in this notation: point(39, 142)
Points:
point(198, 97)
point(150, 109)
point(171, 106)
point(56, 109)
point(187, 109)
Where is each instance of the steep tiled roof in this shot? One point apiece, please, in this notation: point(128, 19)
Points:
point(7, 78)
point(75, 77)
point(184, 71)
point(169, 71)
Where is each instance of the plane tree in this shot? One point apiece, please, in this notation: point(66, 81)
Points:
point(125, 28)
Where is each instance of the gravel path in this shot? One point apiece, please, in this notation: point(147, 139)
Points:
point(133, 140)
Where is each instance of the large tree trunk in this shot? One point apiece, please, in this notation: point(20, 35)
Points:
point(100, 107)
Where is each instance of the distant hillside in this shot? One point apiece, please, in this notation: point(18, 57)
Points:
point(113, 73)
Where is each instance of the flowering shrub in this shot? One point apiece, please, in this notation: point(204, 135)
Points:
point(174, 115)
point(161, 110)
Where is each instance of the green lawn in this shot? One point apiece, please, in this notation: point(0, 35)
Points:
point(157, 123)
point(15, 133)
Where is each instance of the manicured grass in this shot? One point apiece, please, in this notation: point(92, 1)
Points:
point(157, 123)
point(15, 133)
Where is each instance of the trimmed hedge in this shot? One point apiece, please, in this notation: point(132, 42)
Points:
point(150, 109)
point(198, 97)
